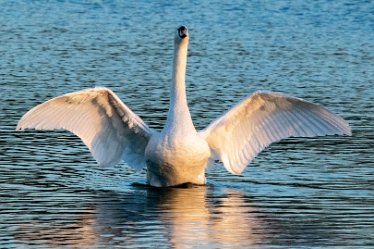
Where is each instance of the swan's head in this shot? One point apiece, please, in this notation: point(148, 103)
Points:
point(182, 35)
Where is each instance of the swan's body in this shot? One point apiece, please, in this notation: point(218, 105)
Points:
point(179, 154)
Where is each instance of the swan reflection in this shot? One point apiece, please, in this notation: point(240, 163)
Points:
point(193, 219)
point(176, 217)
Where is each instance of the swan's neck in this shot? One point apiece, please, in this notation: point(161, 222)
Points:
point(179, 115)
point(178, 86)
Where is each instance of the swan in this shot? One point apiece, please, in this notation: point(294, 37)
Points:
point(179, 153)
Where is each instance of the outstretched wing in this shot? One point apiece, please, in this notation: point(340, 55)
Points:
point(105, 124)
point(240, 134)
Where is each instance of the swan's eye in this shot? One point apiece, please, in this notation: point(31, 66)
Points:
point(182, 31)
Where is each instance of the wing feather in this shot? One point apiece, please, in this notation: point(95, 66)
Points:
point(104, 123)
point(241, 133)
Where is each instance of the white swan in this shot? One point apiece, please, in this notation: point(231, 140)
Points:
point(179, 154)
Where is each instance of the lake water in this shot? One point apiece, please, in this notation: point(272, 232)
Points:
point(311, 193)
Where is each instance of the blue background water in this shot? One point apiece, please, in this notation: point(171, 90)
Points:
point(298, 192)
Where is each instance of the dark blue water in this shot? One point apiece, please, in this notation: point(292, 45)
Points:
point(311, 193)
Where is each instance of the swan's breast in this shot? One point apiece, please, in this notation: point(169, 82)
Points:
point(173, 162)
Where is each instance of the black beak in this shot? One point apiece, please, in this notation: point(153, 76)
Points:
point(182, 31)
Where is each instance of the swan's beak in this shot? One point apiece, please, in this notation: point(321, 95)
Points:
point(182, 32)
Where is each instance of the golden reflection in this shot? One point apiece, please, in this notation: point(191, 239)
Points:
point(194, 220)
point(179, 218)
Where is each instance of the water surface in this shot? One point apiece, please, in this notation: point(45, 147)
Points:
point(299, 192)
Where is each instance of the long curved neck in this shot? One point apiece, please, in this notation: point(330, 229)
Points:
point(178, 84)
point(179, 116)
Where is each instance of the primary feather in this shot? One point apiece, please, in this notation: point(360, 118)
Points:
point(239, 135)
point(105, 124)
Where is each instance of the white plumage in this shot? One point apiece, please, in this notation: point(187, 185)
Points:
point(263, 118)
point(179, 154)
point(105, 124)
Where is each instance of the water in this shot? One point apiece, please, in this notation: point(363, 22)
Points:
point(297, 193)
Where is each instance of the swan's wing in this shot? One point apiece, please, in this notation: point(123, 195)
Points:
point(105, 124)
point(240, 134)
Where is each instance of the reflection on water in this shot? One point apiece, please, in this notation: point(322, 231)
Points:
point(297, 193)
point(192, 220)
point(176, 217)
point(210, 216)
